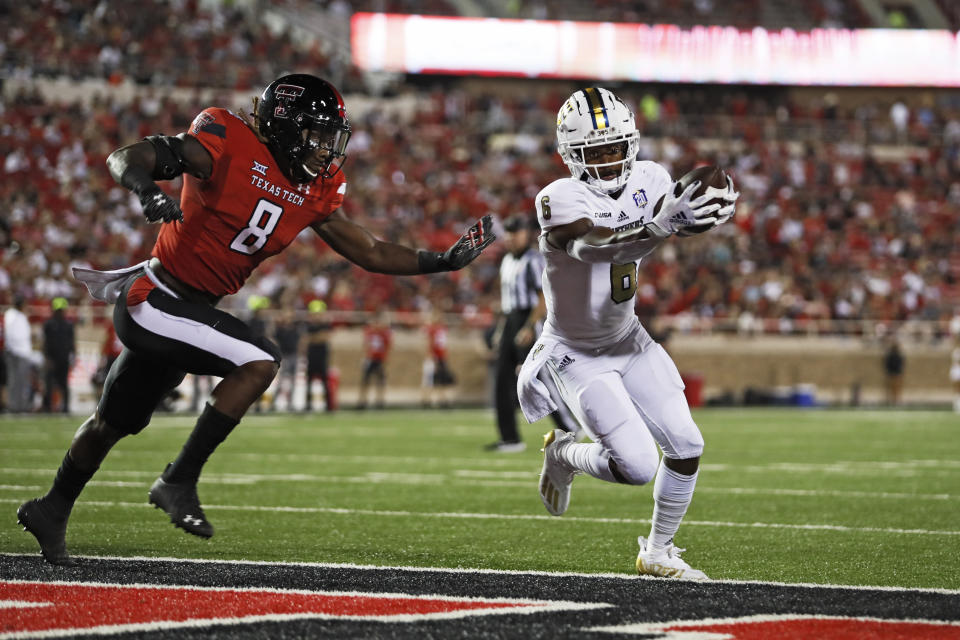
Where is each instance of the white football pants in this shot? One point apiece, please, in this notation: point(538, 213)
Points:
point(630, 398)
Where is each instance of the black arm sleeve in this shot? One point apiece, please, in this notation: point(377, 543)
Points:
point(430, 262)
point(170, 162)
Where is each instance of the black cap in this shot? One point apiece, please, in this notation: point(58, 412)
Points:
point(517, 221)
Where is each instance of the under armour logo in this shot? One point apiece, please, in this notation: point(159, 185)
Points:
point(259, 168)
point(189, 519)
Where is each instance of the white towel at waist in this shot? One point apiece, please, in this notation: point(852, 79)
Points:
point(106, 285)
point(535, 400)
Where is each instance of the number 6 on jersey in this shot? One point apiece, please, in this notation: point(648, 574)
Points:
point(623, 281)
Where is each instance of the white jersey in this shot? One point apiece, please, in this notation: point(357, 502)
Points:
point(592, 304)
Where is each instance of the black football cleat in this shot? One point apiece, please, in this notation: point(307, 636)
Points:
point(49, 526)
point(181, 503)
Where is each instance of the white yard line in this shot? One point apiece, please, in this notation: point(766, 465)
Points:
point(518, 479)
point(388, 513)
point(945, 467)
point(372, 477)
point(820, 493)
point(502, 475)
point(505, 572)
point(495, 460)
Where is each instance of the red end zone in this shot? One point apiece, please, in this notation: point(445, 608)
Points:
point(36, 607)
point(798, 627)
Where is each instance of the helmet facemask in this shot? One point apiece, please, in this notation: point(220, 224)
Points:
point(328, 141)
point(304, 136)
point(589, 120)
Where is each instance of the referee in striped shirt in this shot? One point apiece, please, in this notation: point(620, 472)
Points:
point(522, 310)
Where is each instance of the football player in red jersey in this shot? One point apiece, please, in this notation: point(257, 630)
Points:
point(377, 340)
point(437, 377)
point(251, 185)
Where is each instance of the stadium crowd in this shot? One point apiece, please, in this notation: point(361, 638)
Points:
point(156, 42)
point(872, 184)
point(887, 212)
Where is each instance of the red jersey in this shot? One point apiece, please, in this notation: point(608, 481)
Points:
point(376, 342)
point(245, 212)
point(437, 337)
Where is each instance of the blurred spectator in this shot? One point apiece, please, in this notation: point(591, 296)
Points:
point(109, 351)
point(437, 377)
point(259, 327)
point(317, 335)
point(202, 388)
point(3, 371)
point(59, 350)
point(955, 373)
point(894, 364)
point(377, 339)
point(20, 357)
point(900, 117)
point(287, 334)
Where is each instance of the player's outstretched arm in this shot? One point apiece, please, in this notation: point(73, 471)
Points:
point(137, 166)
point(359, 246)
point(588, 243)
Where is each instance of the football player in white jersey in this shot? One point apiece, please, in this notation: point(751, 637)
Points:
point(596, 227)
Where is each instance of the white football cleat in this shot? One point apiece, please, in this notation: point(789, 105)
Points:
point(665, 563)
point(556, 475)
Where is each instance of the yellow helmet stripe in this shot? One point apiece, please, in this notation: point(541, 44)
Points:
point(597, 111)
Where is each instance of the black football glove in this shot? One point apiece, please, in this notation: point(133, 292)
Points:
point(157, 206)
point(470, 245)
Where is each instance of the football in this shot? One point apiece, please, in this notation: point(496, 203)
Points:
point(709, 176)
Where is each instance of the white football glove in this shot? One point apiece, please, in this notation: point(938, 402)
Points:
point(681, 214)
point(725, 209)
point(678, 212)
point(729, 197)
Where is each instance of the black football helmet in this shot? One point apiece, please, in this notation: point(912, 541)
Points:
point(301, 114)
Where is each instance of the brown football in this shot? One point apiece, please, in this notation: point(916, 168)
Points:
point(709, 176)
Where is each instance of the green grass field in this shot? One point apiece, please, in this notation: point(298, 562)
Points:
point(817, 496)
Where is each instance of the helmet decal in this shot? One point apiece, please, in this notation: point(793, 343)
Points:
point(597, 111)
point(288, 91)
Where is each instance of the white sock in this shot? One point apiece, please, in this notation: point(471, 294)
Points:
point(672, 493)
point(590, 458)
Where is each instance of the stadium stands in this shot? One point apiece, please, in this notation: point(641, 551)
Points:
point(155, 42)
point(863, 179)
